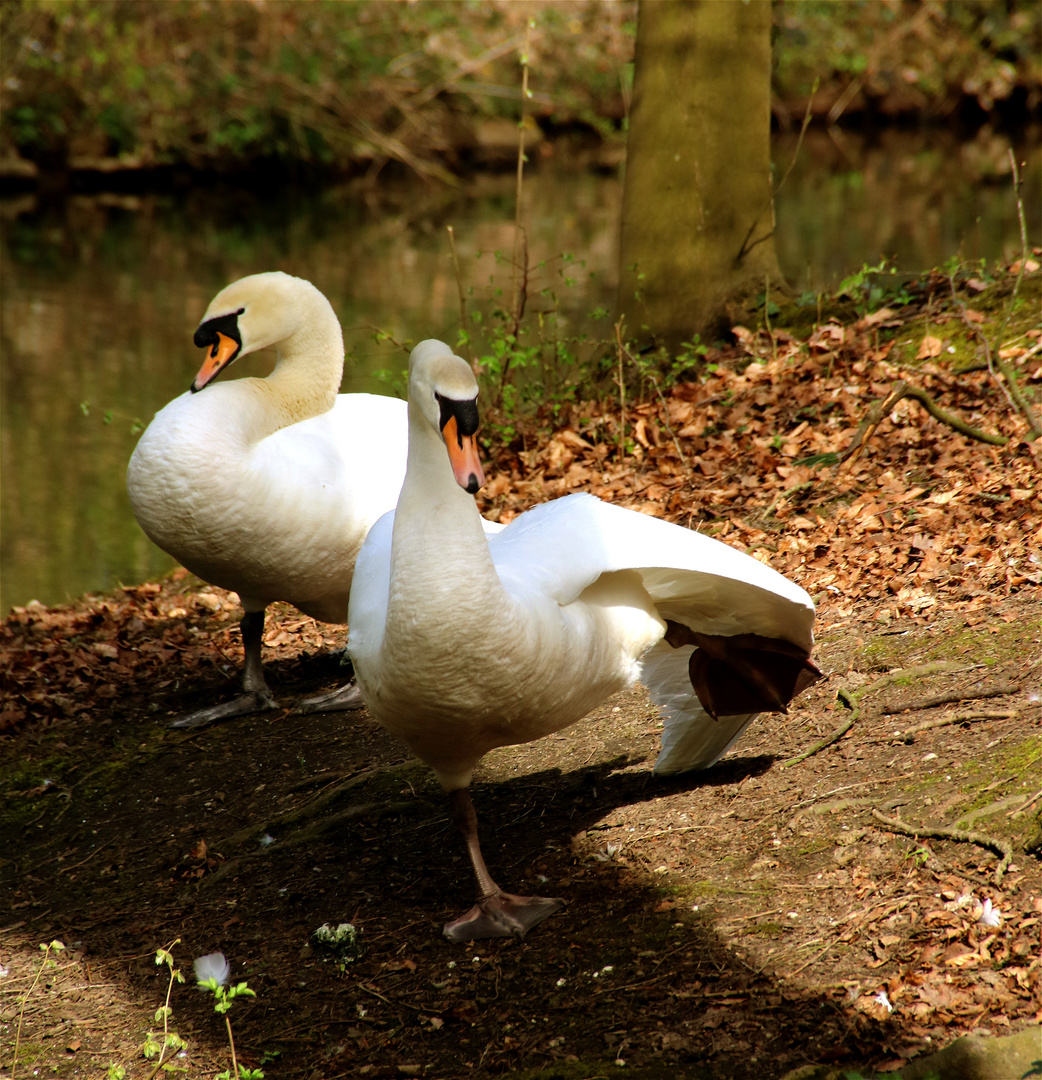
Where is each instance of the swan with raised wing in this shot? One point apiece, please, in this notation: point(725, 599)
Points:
point(463, 642)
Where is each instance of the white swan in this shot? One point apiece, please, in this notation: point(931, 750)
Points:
point(267, 487)
point(463, 642)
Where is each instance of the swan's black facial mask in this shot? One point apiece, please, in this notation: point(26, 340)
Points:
point(212, 335)
point(465, 412)
point(459, 424)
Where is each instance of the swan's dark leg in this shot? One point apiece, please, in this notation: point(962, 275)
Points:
point(496, 914)
point(256, 696)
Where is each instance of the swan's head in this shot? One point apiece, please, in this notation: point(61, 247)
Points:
point(250, 314)
point(443, 388)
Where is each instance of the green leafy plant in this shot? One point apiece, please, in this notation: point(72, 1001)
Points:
point(868, 289)
point(108, 415)
point(47, 962)
point(212, 973)
point(169, 1042)
point(920, 856)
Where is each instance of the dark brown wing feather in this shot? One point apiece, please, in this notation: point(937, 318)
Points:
point(745, 673)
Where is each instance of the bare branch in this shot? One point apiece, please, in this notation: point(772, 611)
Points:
point(960, 836)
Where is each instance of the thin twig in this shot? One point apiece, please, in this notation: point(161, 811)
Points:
point(469, 66)
point(622, 390)
point(1000, 847)
point(393, 1004)
point(671, 832)
point(1008, 383)
point(767, 316)
point(993, 361)
point(803, 131)
point(817, 956)
point(908, 734)
point(836, 791)
point(475, 366)
point(25, 998)
point(1023, 244)
point(946, 699)
point(309, 808)
point(1026, 805)
point(747, 242)
point(665, 420)
point(848, 699)
point(519, 304)
point(231, 1043)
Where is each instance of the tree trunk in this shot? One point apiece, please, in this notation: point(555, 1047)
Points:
point(697, 215)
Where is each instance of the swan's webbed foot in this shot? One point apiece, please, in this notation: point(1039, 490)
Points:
point(502, 915)
point(255, 697)
point(253, 702)
point(348, 696)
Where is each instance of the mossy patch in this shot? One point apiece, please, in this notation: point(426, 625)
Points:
point(989, 643)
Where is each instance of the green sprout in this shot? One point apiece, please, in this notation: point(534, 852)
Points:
point(212, 973)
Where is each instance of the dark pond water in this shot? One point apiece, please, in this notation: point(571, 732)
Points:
point(99, 297)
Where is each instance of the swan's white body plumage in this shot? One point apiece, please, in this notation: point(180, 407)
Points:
point(270, 515)
point(267, 487)
point(463, 642)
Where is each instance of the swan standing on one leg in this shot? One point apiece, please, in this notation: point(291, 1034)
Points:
point(267, 487)
point(464, 642)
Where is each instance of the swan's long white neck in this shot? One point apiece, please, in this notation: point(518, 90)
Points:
point(438, 543)
point(307, 374)
point(309, 369)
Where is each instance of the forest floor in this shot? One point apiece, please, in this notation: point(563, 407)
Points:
point(774, 910)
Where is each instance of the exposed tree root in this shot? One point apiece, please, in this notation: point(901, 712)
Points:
point(309, 809)
point(848, 699)
point(313, 830)
point(908, 735)
point(1000, 847)
point(902, 389)
point(947, 699)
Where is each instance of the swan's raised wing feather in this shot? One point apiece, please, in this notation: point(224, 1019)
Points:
point(691, 738)
point(692, 579)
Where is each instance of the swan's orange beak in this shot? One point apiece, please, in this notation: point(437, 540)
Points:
point(463, 454)
point(220, 355)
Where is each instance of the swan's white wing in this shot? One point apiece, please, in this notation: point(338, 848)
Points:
point(367, 611)
point(346, 464)
point(286, 518)
point(692, 579)
point(691, 738)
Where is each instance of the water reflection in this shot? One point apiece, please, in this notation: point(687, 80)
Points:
point(99, 297)
point(916, 199)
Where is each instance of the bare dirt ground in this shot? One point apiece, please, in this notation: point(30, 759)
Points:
point(731, 924)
